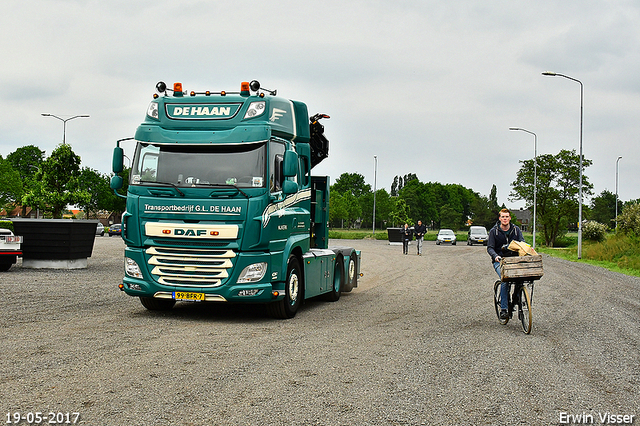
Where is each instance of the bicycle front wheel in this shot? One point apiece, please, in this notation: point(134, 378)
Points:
point(496, 301)
point(525, 310)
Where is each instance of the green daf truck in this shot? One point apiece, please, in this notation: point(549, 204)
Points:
point(222, 207)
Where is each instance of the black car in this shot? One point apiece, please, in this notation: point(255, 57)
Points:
point(115, 230)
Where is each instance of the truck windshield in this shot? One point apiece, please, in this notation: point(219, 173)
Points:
point(200, 165)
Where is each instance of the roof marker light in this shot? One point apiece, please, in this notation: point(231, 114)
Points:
point(192, 93)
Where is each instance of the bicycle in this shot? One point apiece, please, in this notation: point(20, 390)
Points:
point(520, 294)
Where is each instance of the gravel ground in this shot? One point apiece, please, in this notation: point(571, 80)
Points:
point(417, 343)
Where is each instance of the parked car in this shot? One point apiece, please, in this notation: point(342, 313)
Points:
point(446, 236)
point(477, 235)
point(115, 230)
point(100, 229)
point(9, 249)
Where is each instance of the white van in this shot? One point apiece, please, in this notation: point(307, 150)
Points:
point(477, 235)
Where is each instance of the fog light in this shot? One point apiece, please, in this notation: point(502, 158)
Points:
point(131, 268)
point(253, 273)
point(134, 287)
point(252, 292)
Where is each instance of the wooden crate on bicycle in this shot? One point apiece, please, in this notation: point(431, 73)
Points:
point(521, 267)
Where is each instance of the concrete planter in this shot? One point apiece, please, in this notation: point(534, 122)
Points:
point(56, 243)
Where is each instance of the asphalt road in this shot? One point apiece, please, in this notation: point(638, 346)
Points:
point(417, 343)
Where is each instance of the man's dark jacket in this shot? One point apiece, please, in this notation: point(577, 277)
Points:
point(497, 239)
point(420, 230)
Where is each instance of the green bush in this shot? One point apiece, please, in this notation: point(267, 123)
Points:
point(594, 231)
point(6, 224)
point(629, 220)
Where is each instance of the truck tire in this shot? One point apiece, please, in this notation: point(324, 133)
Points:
point(153, 304)
point(352, 274)
point(337, 281)
point(293, 287)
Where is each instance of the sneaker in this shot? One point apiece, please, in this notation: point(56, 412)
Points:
point(504, 314)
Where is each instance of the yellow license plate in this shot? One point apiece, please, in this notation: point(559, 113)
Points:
point(481, 241)
point(187, 295)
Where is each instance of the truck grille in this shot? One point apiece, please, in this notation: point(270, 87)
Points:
point(190, 267)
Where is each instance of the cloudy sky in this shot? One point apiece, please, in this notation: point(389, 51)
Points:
point(430, 87)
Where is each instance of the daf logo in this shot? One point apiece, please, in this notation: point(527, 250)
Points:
point(190, 232)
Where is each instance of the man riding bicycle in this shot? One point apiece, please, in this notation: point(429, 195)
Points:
point(499, 238)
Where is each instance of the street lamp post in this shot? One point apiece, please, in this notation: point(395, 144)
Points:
point(554, 74)
point(535, 177)
point(64, 123)
point(375, 177)
point(617, 161)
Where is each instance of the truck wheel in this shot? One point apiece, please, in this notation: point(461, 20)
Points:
point(352, 274)
point(287, 307)
point(153, 304)
point(338, 281)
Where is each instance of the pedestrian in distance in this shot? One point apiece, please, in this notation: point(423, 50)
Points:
point(420, 230)
point(406, 237)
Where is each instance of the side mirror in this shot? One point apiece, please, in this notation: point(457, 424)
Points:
point(116, 182)
point(117, 165)
point(289, 187)
point(290, 166)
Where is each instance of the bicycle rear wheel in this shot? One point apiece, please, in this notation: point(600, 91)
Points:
point(524, 311)
point(496, 301)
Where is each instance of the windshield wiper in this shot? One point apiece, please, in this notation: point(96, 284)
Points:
point(164, 183)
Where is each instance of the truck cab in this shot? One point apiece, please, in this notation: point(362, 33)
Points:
point(221, 204)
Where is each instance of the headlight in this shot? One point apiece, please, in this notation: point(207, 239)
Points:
point(152, 111)
point(255, 109)
point(131, 268)
point(253, 273)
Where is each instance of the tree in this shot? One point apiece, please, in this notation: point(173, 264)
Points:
point(344, 207)
point(11, 188)
point(493, 199)
point(394, 187)
point(629, 220)
point(97, 186)
point(557, 190)
point(482, 214)
point(384, 206)
point(400, 213)
point(27, 160)
point(57, 183)
point(352, 183)
point(603, 208)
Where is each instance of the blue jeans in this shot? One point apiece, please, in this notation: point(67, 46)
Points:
point(504, 289)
